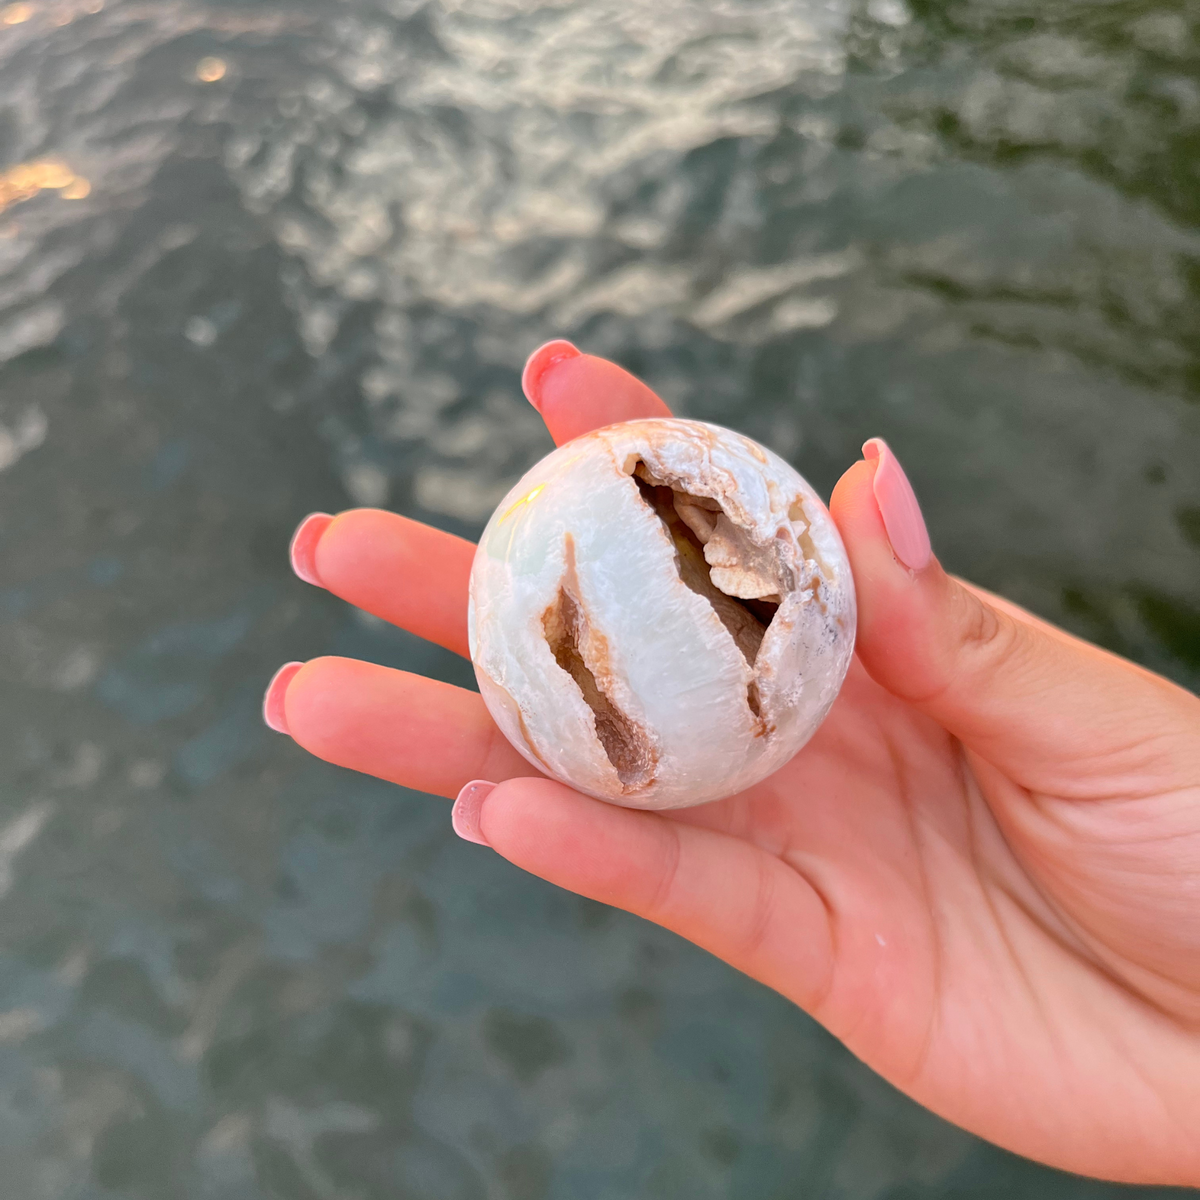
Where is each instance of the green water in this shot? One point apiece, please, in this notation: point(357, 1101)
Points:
point(229, 971)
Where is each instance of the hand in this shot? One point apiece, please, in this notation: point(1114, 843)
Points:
point(982, 874)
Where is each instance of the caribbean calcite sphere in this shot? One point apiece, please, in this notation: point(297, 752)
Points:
point(661, 613)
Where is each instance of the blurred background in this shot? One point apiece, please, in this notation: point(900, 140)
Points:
point(266, 257)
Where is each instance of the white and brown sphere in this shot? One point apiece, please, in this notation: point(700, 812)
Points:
point(661, 613)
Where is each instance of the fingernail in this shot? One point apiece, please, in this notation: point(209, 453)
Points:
point(304, 546)
point(464, 816)
point(538, 365)
point(899, 508)
point(273, 712)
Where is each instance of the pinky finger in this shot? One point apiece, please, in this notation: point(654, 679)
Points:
point(728, 896)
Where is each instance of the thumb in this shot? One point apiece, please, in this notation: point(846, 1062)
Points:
point(1034, 701)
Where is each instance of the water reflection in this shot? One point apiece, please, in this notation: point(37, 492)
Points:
point(471, 181)
point(26, 180)
point(319, 240)
point(1095, 112)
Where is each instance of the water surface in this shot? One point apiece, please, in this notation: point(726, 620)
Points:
point(263, 258)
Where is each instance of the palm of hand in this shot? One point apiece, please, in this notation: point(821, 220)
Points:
point(960, 959)
point(982, 874)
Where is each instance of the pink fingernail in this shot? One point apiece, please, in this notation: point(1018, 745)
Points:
point(303, 550)
point(538, 365)
point(273, 713)
point(899, 508)
point(464, 816)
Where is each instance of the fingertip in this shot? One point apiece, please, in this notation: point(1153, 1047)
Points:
point(874, 502)
point(273, 709)
point(852, 505)
point(539, 364)
point(576, 393)
point(303, 549)
point(573, 840)
point(327, 705)
point(528, 818)
point(906, 603)
point(466, 815)
point(892, 601)
point(899, 507)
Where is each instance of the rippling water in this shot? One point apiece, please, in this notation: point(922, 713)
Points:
point(263, 258)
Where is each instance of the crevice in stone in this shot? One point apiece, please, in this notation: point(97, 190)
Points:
point(682, 514)
point(798, 516)
point(567, 634)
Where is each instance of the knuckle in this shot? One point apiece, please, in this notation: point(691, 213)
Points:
point(986, 636)
point(995, 647)
point(663, 886)
point(761, 911)
point(979, 640)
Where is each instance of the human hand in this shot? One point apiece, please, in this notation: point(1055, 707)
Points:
point(982, 874)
